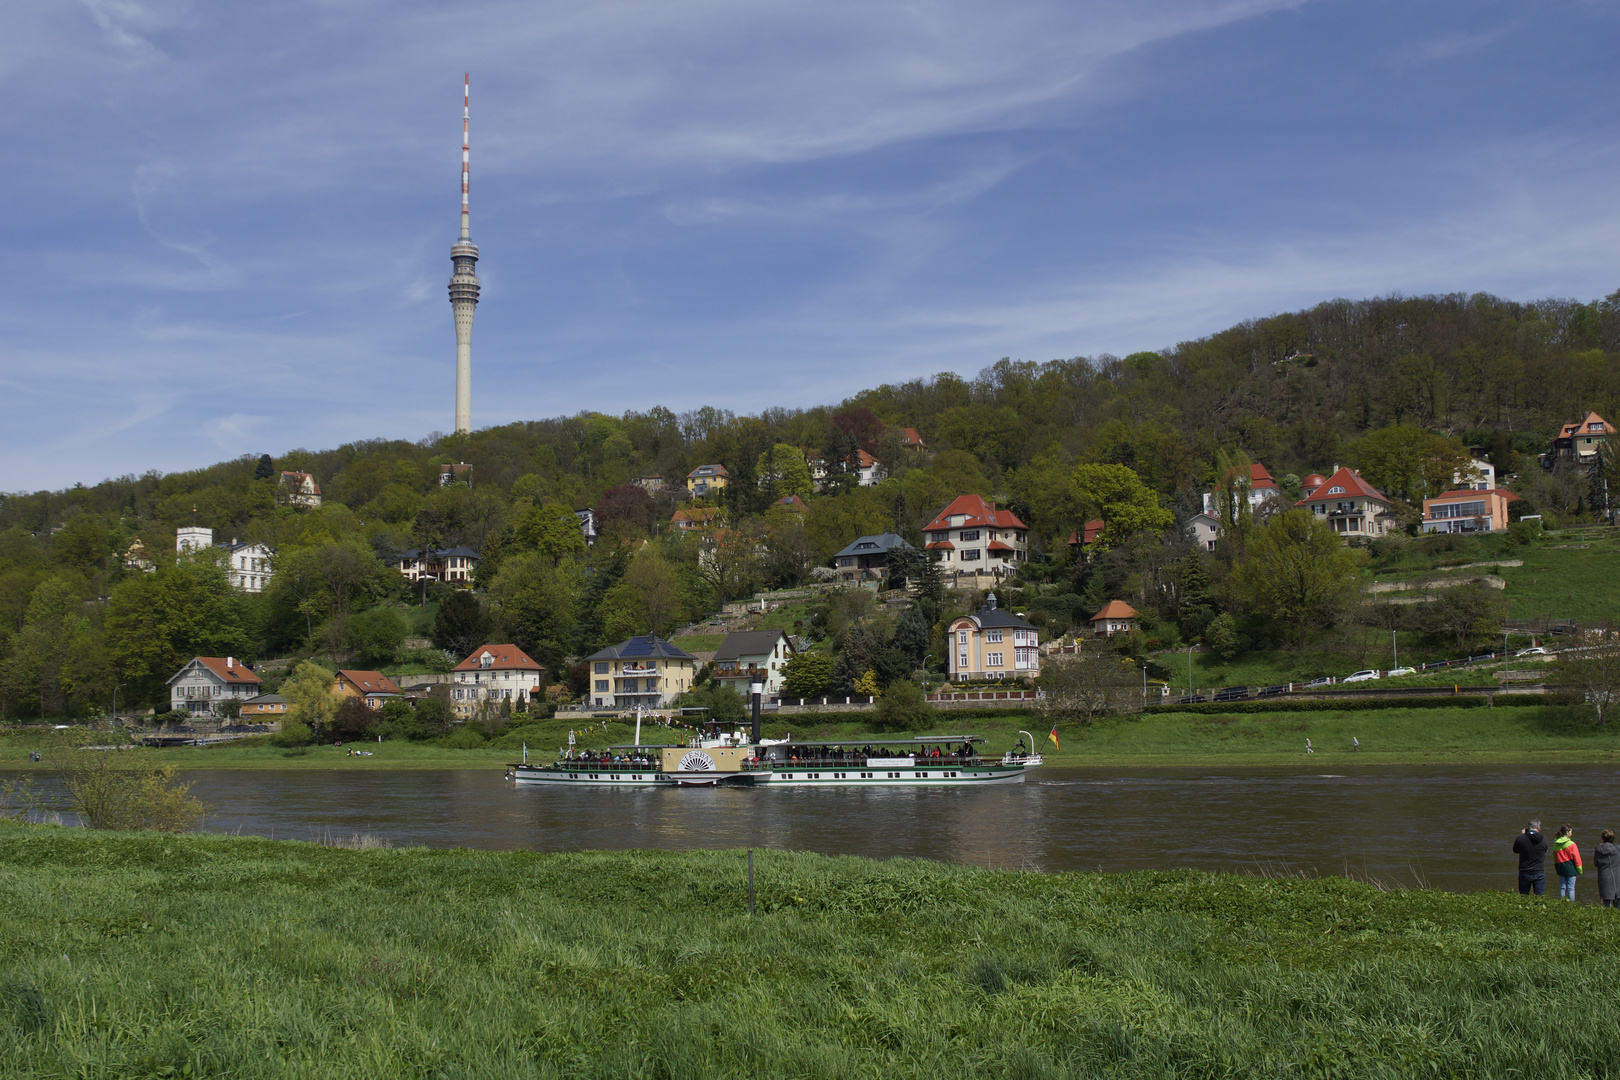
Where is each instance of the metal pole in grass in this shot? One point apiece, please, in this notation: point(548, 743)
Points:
point(750, 882)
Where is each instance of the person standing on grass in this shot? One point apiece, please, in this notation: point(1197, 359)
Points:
point(1531, 848)
point(1567, 861)
point(1607, 858)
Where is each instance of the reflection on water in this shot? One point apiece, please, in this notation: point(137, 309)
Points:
point(1449, 827)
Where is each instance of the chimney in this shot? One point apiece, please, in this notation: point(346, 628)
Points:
point(230, 662)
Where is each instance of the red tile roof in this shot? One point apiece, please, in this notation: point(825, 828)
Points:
point(1260, 478)
point(370, 682)
point(940, 545)
point(507, 657)
point(1092, 528)
point(697, 515)
point(997, 545)
point(1582, 427)
point(978, 512)
point(1353, 487)
point(1115, 609)
point(235, 675)
point(909, 437)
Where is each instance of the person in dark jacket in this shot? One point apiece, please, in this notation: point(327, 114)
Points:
point(1606, 857)
point(1531, 848)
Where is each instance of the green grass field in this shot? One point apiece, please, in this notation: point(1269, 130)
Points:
point(143, 955)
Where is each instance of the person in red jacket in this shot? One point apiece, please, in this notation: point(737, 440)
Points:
point(1567, 861)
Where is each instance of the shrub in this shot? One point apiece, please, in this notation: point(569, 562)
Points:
point(293, 733)
point(354, 719)
point(463, 738)
point(111, 792)
point(904, 707)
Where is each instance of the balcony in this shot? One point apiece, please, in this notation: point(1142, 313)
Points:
point(741, 671)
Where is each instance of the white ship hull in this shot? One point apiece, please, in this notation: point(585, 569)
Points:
point(785, 775)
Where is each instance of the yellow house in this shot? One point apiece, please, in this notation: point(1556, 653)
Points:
point(372, 687)
point(706, 479)
point(993, 644)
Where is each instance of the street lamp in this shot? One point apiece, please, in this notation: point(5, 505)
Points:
point(756, 690)
point(117, 688)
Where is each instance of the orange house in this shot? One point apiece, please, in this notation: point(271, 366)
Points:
point(373, 687)
point(1116, 617)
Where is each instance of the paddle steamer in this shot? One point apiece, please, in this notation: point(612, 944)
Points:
point(732, 759)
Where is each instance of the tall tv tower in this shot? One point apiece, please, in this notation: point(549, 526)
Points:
point(464, 284)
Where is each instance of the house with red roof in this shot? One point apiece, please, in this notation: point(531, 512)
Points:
point(206, 682)
point(1352, 507)
point(300, 489)
point(1259, 489)
point(972, 536)
point(696, 517)
point(1116, 617)
point(372, 687)
point(498, 674)
point(1088, 532)
point(910, 439)
point(1580, 442)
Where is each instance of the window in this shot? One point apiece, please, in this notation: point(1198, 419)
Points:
point(1335, 490)
point(961, 637)
point(1457, 510)
point(971, 555)
point(992, 659)
point(969, 534)
point(601, 686)
point(601, 669)
point(992, 635)
point(962, 662)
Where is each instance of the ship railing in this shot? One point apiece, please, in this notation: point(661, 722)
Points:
point(953, 761)
point(581, 765)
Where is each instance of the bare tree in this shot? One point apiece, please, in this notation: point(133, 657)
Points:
point(1593, 668)
point(1076, 690)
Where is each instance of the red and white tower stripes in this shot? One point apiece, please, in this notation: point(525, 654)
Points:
point(464, 281)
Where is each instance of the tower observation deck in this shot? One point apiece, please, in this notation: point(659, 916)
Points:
point(464, 283)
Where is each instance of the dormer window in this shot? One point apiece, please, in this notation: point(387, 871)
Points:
point(1594, 427)
point(1335, 490)
point(486, 661)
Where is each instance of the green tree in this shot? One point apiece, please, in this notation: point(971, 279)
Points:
point(1296, 571)
point(1223, 637)
point(904, 707)
point(310, 700)
point(553, 530)
point(807, 674)
point(354, 719)
point(1465, 613)
point(157, 622)
point(434, 716)
point(376, 635)
point(1118, 496)
point(653, 579)
point(1407, 461)
point(460, 626)
point(536, 604)
point(782, 471)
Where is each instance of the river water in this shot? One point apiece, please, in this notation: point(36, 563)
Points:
point(1447, 827)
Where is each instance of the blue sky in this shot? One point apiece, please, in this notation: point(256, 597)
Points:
point(226, 226)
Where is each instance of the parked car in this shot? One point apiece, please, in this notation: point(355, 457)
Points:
point(1196, 699)
point(1536, 650)
point(1268, 691)
point(1397, 672)
point(1231, 693)
point(1362, 676)
point(1326, 680)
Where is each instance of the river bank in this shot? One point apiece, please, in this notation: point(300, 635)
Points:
point(207, 955)
point(1542, 734)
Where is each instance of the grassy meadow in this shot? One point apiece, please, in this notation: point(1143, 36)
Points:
point(146, 955)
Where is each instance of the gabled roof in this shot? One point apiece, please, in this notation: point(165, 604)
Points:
point(1352, 485)
point(265, 699)
point(703, 472)
point(1115, 609)
point(1584, 427)
point(503, 658)
point(1260, 478)
point(866, 460)
point(881, 544)
point(978, 512)
point(750, 643)
point(370, 682)
point(300, 478)
point(909, 437)
point(699, 514)
point(235, 674)
point(643, 647)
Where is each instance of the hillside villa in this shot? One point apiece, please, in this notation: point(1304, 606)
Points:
point(993, 644)
point(644, 670)
point(494, 673)
point(753, 655)
point(205, 681)
point(372, 687)
point(868, 556)
point(1351, 506)
point(1116, 617)
point(1467, 511)
point(972, 536)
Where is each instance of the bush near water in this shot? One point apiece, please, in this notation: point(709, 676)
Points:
point(144, 955)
